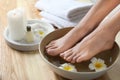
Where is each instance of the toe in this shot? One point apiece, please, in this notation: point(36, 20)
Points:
point(53, 52)
point(66, 54)
point(75, 57)
point(69, 58)
point(50, 44)
point(82, 57)
point(53, 47)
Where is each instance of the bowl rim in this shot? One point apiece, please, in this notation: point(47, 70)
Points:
point(78, 72)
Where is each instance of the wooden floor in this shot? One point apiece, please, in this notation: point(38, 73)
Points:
point(15, 65)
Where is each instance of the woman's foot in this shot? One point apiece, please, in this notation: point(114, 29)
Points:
point(86, 25)
point(71, 38)
point(102, 38)
point(97, 41)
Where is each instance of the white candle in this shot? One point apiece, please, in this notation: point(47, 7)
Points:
point(16, 24)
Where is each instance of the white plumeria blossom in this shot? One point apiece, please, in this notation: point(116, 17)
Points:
point(97, 64)
point(68, 67)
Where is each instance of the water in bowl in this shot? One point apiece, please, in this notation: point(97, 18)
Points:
point(109, 56)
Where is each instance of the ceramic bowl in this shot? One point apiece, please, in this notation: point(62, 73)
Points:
point(110, 57)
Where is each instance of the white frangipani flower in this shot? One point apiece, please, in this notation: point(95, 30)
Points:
point(68, 67)
point(97, 64)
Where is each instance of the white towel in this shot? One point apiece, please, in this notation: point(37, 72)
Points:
point(66, 9)
point(58, 22)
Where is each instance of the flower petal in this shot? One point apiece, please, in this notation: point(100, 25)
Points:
point(94, 59)
point(91, 66)
point(101, 61)
point(102, 68)
point(68, 67)
point(61, 67)
point(97, 64)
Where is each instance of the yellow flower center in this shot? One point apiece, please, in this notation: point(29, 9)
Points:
point(41, 32)
point(67, 68)
point(98, 65)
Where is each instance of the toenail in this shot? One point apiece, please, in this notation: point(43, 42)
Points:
point(68, 59)
point(61, 54)
point(65, 57)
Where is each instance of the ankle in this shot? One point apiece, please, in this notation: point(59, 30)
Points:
point(108, 33)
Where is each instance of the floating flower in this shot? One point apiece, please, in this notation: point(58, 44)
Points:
point(68, 67)
point(97, 64)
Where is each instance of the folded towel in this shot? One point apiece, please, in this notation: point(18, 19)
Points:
point(66, 9)
point(58, 22)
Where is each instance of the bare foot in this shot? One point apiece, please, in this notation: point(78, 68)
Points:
point(64, 43)
point(86, 25)
point(102, 38)
point(97, 41)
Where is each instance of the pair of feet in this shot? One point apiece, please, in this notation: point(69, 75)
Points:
point(73, 51)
